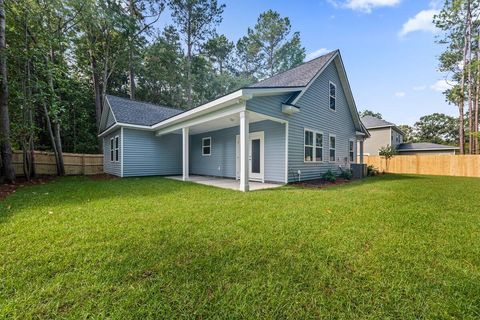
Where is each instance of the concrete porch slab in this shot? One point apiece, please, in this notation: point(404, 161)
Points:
point(226, 183)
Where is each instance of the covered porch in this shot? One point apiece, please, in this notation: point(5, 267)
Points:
point(232, 148)
point(226, 183)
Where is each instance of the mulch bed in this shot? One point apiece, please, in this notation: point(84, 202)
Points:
point(320, 183)
point(7, 189)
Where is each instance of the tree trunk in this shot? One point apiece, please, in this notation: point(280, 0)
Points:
point(58, 142)
point(5, 146)
point(131, 70)
point(467, 64)
point(96, 90)
point(52, 138)
point(189, 61)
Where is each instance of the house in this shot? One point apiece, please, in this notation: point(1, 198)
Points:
point(426, 148)
point(293, 126)
point(384, 133)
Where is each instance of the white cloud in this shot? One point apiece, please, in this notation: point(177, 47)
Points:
point(363, 5)
point(400, 94)
point(423, 21)
point(441, 85)
point(316, 53)
point(419, 88)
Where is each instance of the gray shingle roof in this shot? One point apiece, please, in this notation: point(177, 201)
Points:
point(299, 76)
point(139, 113)
point(424, 146)
point(372, 122)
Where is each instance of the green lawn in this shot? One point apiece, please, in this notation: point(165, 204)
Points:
point(388, 247)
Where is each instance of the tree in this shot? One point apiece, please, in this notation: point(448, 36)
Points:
point(196, 20)
point(367, 112)
point(437, 128)
point(409, 132)
point(268, 47)
point(5, 145)
point(387, 152)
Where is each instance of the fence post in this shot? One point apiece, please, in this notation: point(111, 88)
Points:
point(83, 164)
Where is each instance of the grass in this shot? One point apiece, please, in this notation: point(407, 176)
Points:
point(393, 247)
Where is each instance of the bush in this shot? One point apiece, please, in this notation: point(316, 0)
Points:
point(372, 171)
point(346, 174)
point(329, 176)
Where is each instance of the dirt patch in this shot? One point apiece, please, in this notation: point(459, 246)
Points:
point(320, 183)
point(102, 176)
point(7, 189)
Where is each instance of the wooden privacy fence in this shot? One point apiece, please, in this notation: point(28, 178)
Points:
point(75, 163)
point(442, 165)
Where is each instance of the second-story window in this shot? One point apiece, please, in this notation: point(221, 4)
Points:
point(333, 96)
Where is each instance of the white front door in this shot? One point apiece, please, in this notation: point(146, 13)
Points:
point(255, 156)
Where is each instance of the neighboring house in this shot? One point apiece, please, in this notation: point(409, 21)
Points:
point(384, 133)
point(426, 148)
point(293, 126)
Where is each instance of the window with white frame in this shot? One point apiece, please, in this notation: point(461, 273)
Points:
point(206, 146)
point(332, 146)
point(351, 152)
point(333, 96)
point(313, 146)
point(111, 149)
point(116, 148)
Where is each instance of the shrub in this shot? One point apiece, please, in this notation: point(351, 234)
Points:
point(346, 174)
point(372, 171)
point(329, 176)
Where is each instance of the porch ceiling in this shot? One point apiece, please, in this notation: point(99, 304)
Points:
point(223, 122)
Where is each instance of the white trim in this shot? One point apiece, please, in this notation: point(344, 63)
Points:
point(286, 152)
point(202, 119)
point(267, 117)
point(126, 125)
point(330, 147)
point(121, 152)
point(330, 96)
point(185, 153)
point(314, 146)
point(103, 116)
point(244, 142)
point(209, 146)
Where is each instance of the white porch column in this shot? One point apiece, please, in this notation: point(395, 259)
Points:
point(185, 152)
point(361, 151)
point(244, 141)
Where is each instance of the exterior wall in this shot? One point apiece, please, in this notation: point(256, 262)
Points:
point(148, 155)
point(222, 161)
point(314, 114)
point(112, 167)
point(397, 138)
point(378, 138)
point(110, 119)
point(427, 153)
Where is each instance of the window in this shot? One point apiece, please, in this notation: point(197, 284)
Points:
point(206, 146)
point(313, 146)
point(351, 152)
point(116, 148)
point(111, 149)
point(318, 147)
point(332, 148)
point(333, 95)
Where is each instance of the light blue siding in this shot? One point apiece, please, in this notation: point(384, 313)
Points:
point(110, 119)
point(314, 114)
point(111, 167)
point(222, 161)
point(148, 155)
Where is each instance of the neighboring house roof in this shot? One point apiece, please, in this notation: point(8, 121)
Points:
point(139, 113)
point(299, 76)
point(373, 122)
point(424, 146)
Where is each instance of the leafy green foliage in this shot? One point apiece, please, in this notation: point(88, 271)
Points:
point(329, 176)
point(367, 112)
point(346, 173)
point(437, 128)
point(372, 171)
point(387, 152)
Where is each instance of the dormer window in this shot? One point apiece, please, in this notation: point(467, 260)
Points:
point(333, 96)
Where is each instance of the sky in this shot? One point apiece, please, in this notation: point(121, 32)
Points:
point(387, 46)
